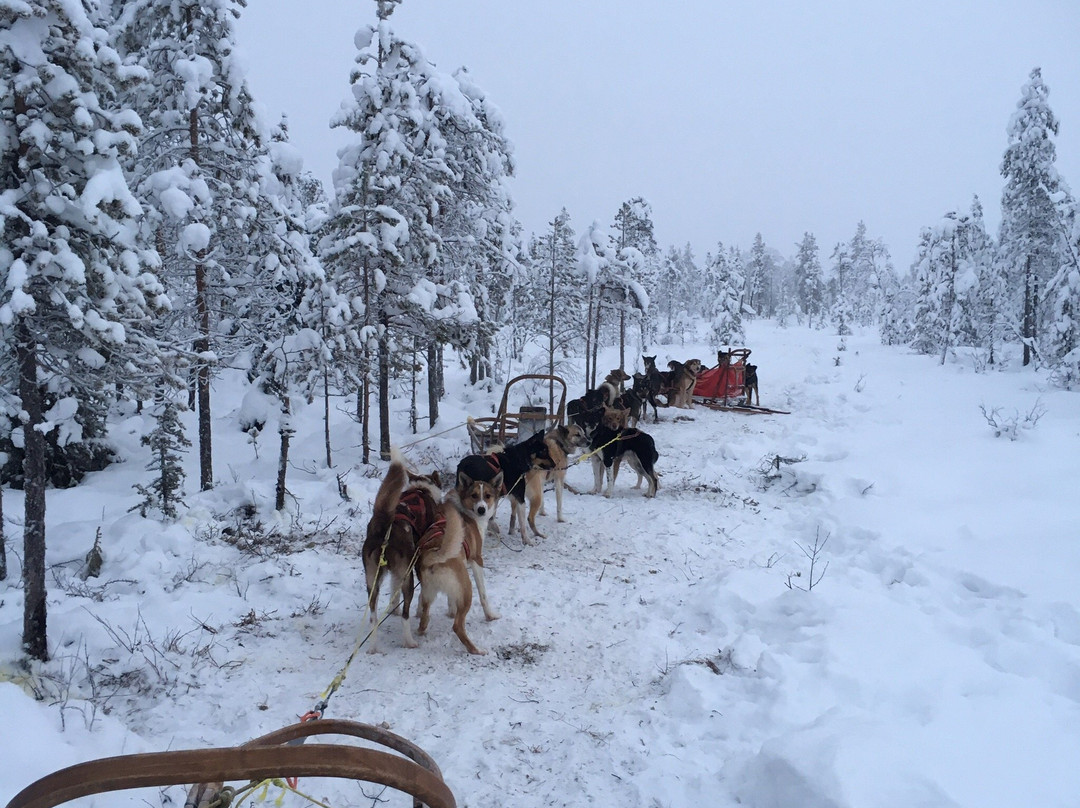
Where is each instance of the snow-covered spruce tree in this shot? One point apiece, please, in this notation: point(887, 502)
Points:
point(988, 303)
point(479, 236)
point(197, 173)
point(840, 307)
point(810, 281)
point(675, 296)
point(282, 304)
point(760, 280)
point(724, 285)
point(167, 443)
point(895, 314)
point(76, 294)
point(633, 228)
point(1029, 238)
point(334, 312)
point(870, 270)
point(626, 294)
point(944, 277)
point(387, 232)
point(1063, 339)
point(666, 290)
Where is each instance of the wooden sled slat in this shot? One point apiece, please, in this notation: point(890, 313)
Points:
point(276, 755)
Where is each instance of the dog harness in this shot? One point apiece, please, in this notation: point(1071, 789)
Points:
point(493, 463)
point(416, 508)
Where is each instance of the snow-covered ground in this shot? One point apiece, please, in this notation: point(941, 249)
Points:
point(665, 652)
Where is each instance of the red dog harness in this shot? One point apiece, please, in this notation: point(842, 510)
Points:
point(493, 463)
point(416, 508)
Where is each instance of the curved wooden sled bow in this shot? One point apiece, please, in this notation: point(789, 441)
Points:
point(278, 754)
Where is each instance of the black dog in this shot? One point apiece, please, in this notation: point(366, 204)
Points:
point(586, 411)
point(612, 445)
point(632, 400)
point(656, 382)
point(750, 384)
point(514, 461)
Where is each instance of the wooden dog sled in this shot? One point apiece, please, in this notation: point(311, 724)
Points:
point(513, 426)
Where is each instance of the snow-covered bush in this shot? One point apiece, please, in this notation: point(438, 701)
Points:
point(1012, 426)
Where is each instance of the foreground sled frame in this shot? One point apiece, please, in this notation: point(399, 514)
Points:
point(509, 427)
point(280, 754)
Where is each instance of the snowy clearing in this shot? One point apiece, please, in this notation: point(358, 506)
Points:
point(662, 652)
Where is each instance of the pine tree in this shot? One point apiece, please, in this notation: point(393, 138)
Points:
point(77, 292)
point(810, 281)
point(725, 284)
point(988, 296)
point(167, 442)
point(667, 289)
point(946, 278)
point(479, 236)
point(198, 173)
point(282, 295)
point(894, 316)
point(1029, 239)
point(633, 228)
point(551, 303)
point(387, 233)
point(867, 275)
point(1064, 337)
point(841, 308)
point(760, 280)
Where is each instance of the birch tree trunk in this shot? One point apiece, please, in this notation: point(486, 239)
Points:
point(285, 431)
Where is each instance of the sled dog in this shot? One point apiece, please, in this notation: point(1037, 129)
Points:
point(750, 388)
point(613, 444)
point(514, 462)
point(476, 499)
point(562, 441)
point(406, 506)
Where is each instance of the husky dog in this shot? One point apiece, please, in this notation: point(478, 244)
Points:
point(750, 384)
point(562, 441)
point(683, 378)
point(443, 569)
point(612, 386)
point(406, 506)
point(632, 400)
point(612, 444)
point(476, 499)
point(586, 411)
point(513, 462)
point(653, 382)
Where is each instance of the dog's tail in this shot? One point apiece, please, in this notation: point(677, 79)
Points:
point(388, 497)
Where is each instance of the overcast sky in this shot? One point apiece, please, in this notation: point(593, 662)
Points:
point(730, 118)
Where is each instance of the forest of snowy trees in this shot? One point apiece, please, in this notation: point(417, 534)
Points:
point(156, 232)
